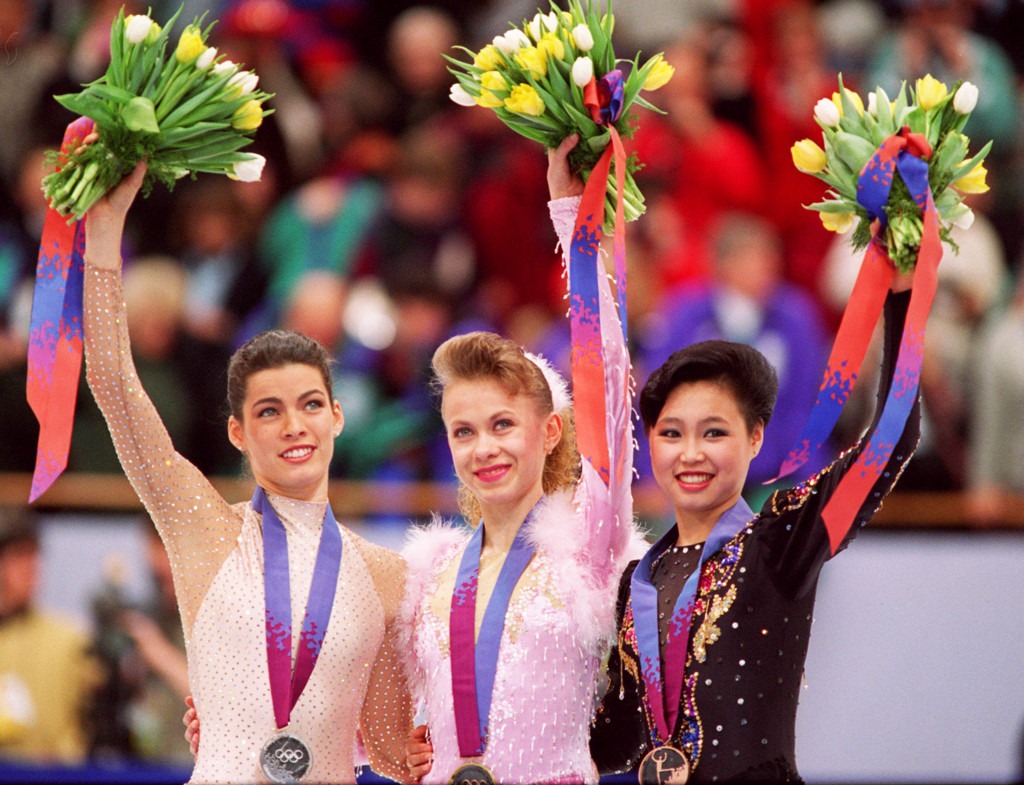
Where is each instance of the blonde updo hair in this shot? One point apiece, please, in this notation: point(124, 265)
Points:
point(483, 355)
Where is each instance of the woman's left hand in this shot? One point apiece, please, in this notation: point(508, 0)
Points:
point(419, 753)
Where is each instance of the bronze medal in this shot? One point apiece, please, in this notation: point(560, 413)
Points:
point(285, 759)
point(472, 774)
point(664, 765)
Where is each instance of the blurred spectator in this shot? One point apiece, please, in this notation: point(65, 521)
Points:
point(46, 676)
point(696, 168)
point(996, 457)
point(793, 77)
point(154, 291)
point(748, 301)
point(214, 235)
point(935, 37)
point(142, 649)
point(33, 58)
point(970, 283)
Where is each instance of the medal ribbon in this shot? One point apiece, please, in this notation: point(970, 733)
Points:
point(55, 333)
point(603, 98)
point(286, 684)
point(908, 153)
point(474, 663)
point(663, 691)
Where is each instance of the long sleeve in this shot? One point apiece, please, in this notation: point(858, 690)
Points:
point(602, 393)
point(797, 539)
point(617, 737)
point(197, 525)
point(385, 720)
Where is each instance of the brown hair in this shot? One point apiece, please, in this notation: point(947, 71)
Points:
point(273, 349)
point(482, 355)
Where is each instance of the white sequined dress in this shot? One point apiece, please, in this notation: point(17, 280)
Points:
point(216, 553)
point(560, 616)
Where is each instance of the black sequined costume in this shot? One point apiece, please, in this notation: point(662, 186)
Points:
point(750, 627)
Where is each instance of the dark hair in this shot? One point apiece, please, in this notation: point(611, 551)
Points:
point(483, 355)
point(273, 349)
point(739, 368)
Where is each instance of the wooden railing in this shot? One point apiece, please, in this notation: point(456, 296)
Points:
point(77, 491)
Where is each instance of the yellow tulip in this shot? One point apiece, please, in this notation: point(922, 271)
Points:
point(659, 75)
point(248, 116)
point(552, 45)
point(974, 181)
point(190, 45)
point(534, 60)
point(930, 92)
point(489, 99)
point(525, 100)
point(808, 156)
point(493, 80)
point(854, 98)
point(488, 58)
point(837, 222)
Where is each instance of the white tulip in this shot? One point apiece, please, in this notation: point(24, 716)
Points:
point(534, 26)
point(137, 27)
point(245, 81)
point(517, 39)
point(965, 219)
point(503, 45)
point(204, 60)
point(966, 98)
point(583, 37)
point(224, 66)
point(461, 96)
point(873, 104)
point(827, 113)
point(251, 169)
point(582, 71)
point(550, 21)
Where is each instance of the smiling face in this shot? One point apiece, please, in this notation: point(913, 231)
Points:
point(287, 428)
point(499, 442)
point(701, 449)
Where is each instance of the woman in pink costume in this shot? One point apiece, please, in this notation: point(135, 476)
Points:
point(524, 716)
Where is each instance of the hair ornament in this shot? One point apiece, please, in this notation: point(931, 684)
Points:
point(560, 397)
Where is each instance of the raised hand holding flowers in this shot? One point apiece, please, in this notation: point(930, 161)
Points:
point(931, 118)
point(545, 79)
point(898, 172)
point(184, 109)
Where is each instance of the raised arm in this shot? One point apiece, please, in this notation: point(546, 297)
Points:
point(801, 542)
point(602, 388)
point(197, 525)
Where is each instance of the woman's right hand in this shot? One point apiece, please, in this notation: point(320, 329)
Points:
point(561, 181)
point(419, 752)
point(105, 225)
point(191, 722)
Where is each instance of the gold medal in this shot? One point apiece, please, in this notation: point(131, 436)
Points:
point(472, 774)
point(664, 765)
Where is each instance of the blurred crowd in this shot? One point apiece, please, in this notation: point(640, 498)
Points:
point(389, 218)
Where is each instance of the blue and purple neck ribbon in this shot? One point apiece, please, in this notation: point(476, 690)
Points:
point(906, 153)
point(287, 682)
point(663, 687)
point(56, 333)
point(474, 660)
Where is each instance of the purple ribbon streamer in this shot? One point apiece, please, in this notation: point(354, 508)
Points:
point(663, 695)
point(286, 684)
point(475, 663)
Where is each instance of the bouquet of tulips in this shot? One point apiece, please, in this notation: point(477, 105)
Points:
point(535, 78)
point(184, 111)
point(852, 134)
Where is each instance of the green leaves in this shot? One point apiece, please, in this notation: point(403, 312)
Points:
point(139, 115)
